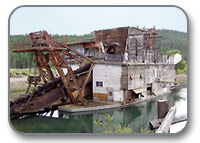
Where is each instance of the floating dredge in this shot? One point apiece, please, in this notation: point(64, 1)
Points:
point(67, 88)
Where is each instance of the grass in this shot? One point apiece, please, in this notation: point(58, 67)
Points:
point(16, 92)
point(28, 71)
point(24, 71)
point(22, 89)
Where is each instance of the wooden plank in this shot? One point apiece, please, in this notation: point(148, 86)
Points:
point(100, 96)
point(156, 123)
point(165, 126)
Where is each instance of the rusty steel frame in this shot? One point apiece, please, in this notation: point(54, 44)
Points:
point(41, 102)
point(71, 74)
point(39, 66)
point(56, 53)
point(150, 39)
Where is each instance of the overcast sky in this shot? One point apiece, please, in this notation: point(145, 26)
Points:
point(83, 20)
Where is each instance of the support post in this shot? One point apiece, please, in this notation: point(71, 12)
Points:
point(77, 86)
point(46, 65)
point(162, 106)
point(39, 66)
point(85, 81)
point(62, 75)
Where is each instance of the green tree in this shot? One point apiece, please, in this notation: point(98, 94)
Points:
point(181, 67)
point(173, 51)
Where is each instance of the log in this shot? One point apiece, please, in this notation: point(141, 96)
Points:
point(156, 123)
point(165, 125)
point(162, 106)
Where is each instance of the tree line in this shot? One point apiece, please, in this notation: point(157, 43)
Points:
point(172, 42)
point(25, 60)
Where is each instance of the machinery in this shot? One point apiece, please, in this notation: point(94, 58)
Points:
point(66, 88)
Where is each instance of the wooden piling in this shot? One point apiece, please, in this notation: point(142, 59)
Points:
point(162, 106)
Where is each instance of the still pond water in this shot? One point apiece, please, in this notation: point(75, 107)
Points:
point(135, 117)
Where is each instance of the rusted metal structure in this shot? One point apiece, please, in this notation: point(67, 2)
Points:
point(55, 91)
point(137, 45)
point(132, 54)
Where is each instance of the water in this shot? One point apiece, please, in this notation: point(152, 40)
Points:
point(135, 117)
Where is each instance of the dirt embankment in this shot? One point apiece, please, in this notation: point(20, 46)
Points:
point(18, 84)
point(181, 79)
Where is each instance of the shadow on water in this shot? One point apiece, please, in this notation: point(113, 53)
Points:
point(135, 117)
point(40, 124)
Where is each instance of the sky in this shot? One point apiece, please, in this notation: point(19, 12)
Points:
point(84, 20)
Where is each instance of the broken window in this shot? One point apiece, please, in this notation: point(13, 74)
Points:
point(99, 84)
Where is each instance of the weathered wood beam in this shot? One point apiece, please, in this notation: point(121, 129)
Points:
point(87, 77)
point(53, 48)
point(98, 45)
point(47, 66)
point(165, 126)
point(32, 49)
point(156, 123)
point(62, 75)
point(86, 80)
point(39, 66)
point(73, 50)
point(71, 74)
point(73, 56)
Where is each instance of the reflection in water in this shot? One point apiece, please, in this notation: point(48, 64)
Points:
point(40, 124)
point(135, 117)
